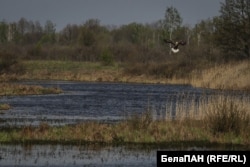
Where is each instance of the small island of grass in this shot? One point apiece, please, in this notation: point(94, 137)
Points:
point(4, 106)
point(10, 89)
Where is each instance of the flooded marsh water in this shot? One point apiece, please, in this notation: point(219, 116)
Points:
point(84, 101)
point(87, 101)
point(59, 155)
point(84, 155)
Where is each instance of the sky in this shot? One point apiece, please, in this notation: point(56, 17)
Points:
point(109, 12)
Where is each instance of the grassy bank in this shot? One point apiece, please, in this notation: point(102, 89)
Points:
point(224, 120)
point(69, 70)
point(155, 132)
point(234, 76)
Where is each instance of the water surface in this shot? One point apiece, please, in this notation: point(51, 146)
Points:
point(84, 101)
point(74, 156)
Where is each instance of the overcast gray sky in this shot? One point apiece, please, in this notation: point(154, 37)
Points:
point(109, 12)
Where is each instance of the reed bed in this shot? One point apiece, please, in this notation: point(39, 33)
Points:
point(216, 119)
point(233, 76)
point(220, 113)
point(197, 108)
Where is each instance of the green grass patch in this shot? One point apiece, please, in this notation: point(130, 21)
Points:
point(69, 70)
point(62, 66)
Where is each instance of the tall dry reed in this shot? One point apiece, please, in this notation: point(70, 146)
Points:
point(229, 76)
point(220, 113)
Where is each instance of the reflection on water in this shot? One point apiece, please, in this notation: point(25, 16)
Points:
point(90, 155)
point(81, 101)
point(58, 155)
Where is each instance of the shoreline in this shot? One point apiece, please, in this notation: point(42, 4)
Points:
point(224, 77)
point(177, 134)
point(128, 132)
point(183, 145)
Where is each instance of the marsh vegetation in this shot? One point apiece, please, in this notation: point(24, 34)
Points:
point(217, 119)
point(133, 52)
point(136, 53)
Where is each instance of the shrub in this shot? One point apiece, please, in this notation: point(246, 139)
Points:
point(166, 70)
point(9, 63)
point(107, 58)
point(226, 115)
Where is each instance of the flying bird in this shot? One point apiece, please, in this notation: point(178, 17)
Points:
point(175, 45)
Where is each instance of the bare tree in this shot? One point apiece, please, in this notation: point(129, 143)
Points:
point(172, 20)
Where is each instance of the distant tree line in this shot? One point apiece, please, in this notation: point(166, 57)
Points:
point(215, 40)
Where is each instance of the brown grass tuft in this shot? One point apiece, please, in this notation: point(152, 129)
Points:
point(235, 76)
point(4, 107)
point(227, 115)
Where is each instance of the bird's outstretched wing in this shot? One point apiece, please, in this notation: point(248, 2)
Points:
point(182, 42)
point(168, 41)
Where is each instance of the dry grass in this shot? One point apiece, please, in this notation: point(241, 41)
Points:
point(7, 89)
point(219, 114)
point(4, 107)
point(235, 76)
point(220, 119)
point(228, 114)
point(228, 76)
